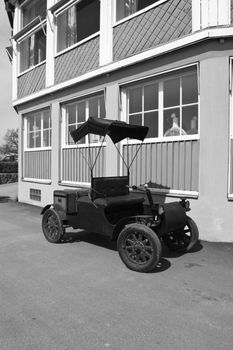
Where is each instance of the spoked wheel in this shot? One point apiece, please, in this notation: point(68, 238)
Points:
point(182, 240)
point(139, 247)
point(52, 226)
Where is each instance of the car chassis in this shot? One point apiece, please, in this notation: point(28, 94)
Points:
point(113, 208)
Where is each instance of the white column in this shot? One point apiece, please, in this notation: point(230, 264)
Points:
point(205, 13)
point(15, 61)
point(224, 12)
point(112, 112)
point(106, 31)
point(50, 46)
point(196, 15)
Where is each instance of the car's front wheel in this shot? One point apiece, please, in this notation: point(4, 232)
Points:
point(52, 226)
point(139, 247)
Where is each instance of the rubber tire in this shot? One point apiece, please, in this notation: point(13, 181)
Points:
point(56, 237)
point(153, 239)
point(173, 244)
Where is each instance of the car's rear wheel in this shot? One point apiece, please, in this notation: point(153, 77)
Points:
point(52, 226)
point(182, 240)
point(139, 247)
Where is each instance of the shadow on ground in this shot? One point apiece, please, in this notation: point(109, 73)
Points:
point(105, 242)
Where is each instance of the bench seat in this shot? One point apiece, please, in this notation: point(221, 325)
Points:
point(125, 200)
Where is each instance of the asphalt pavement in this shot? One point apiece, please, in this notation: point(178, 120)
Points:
point(79, 295)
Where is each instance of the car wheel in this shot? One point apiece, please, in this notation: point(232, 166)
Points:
point(182, 240)
point(52, 226)
point(139, 247)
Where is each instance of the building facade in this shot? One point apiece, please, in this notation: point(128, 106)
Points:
point(166, 64)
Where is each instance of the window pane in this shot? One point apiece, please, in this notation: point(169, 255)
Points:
point(81, 112)
point(71, 113)
point(88, 12)
point(135, 100)
point(72, 23)
point(40, 47)
point(37, 123)
point(102, 107)
point(151, 97)
point(151, 120)
point(70, 128)
point(190, 119)
point(189, 89)
point(172, 92)
point(171, 122)
point(93, 107)
point(126, 8)
point(30, 140)
point(62, 32)
point(33, 9)
point(135, 119)
point(30, 122)
point(46, 120)
point(37, 136)
point(46, 138)
point(32, 50)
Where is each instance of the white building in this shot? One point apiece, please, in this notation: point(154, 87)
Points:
point(147, 62)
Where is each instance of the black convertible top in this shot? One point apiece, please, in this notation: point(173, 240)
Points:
point(115, 129)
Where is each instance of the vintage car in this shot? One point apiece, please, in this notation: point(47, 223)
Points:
point(125, 213)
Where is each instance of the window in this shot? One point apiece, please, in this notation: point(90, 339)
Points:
point(32, 50)
point(35, 194)
point(77, 23)
point(38, 129)
point(169, 106)
point(125, 8)
point(76, 113)
point(33, 9)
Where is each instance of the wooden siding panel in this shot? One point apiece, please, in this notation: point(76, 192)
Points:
point(166, 22)
point(166, 165)
point(37, 165)
point(77, 61)
point(75, 168)
point(31, 81)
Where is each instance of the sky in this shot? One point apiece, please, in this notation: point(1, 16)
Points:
point(8, 116)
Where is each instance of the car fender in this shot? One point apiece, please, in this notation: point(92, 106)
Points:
point(58, 209)
point(45, 208)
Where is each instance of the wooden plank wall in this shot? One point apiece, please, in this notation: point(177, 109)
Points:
point(168, 21)
point(167, 165)
point(31, 81)
point(37, 165)
point(74, 166)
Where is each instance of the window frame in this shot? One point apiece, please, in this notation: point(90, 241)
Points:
point(160, 79)
point(33, 31)
point(135, 14)
point(42, 129)
point(22, 6)
point(65, 125)
point(58, 11)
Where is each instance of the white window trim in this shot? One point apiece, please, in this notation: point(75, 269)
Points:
point(25, 137)
point(64, 122)
point(27, 35)
point(138, 13)
point(160, 80)
point(79, 43)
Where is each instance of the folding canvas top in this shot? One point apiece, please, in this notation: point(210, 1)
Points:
point(116, 130)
